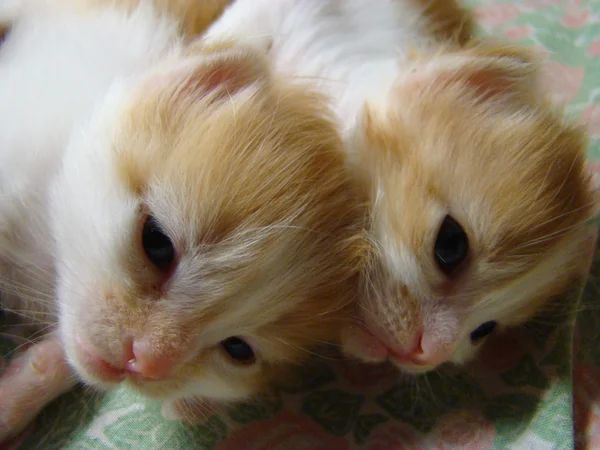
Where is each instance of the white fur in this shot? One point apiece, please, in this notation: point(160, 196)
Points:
point(354, 51)
point(55, 65)
point(349, 49)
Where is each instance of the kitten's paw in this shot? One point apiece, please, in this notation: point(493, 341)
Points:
point(189, 410)
point(30, 382)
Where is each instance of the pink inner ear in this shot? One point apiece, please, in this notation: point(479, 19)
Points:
point(488, 83)
point(594, 169)
point(228, 77)
point(486, 79)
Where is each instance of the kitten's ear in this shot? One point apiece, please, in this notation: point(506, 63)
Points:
point(491, 72)
point(216, 71)
point(593, 169)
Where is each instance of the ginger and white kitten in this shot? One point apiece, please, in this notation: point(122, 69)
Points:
point(183, 216)
point(478, 186)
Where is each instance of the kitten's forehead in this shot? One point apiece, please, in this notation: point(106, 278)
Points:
point(512, 177)
point(253, 193)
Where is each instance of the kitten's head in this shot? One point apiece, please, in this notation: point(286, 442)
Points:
point(205, 229)
point(479, 192)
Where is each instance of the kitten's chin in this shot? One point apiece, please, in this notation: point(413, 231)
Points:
point(97, 379)
point(410, 368)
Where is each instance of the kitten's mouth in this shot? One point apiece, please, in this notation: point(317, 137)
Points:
point(105, 371)
point(408, 363)
point(409, 366)
point(105, 375)
point(367, 346)
point(95, 367)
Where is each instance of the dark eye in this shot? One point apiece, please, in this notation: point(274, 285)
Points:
point(158, 247)
point(3, 33)
point(451, 245)
point(483, 330)
point(239, 350)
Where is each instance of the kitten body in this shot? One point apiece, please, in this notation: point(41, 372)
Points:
point(46, 95)
point(179, 217)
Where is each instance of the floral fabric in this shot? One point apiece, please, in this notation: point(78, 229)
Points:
point(536, 387)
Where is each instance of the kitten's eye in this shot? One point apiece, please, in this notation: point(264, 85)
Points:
point(238, 350)
point(158, 247)
point(483, 330)
point(3, 34)
point(451, 245)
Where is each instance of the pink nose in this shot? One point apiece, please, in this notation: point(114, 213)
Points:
point(139, 359)
point(144, 360)
point(424, 350)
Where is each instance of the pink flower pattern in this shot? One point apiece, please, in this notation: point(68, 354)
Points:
point(463, 429)
point(591, 116)
point(396, 436)
point(518, 32)
point(594, 48)
point(366, 375)
point(284, 431)
point(575, 18)
point(494, 15)
point(562, 81)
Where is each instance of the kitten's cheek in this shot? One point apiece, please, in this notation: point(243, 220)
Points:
point(96, 367)
point(358, 342)
point(466, 351)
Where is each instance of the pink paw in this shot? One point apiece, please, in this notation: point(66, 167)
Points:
point(30, 382)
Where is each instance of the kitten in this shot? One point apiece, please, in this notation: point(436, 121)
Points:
point(478, 186)
point(182, 215)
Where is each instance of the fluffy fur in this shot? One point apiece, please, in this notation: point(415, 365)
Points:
point(433, 127)
point(193, 17)
point(107, 118)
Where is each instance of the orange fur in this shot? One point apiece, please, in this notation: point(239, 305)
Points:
point(261, 180)
point(447, 19)
point(245, 173)
point(470, 133)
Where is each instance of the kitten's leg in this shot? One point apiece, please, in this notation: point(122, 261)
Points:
point(30, 382)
